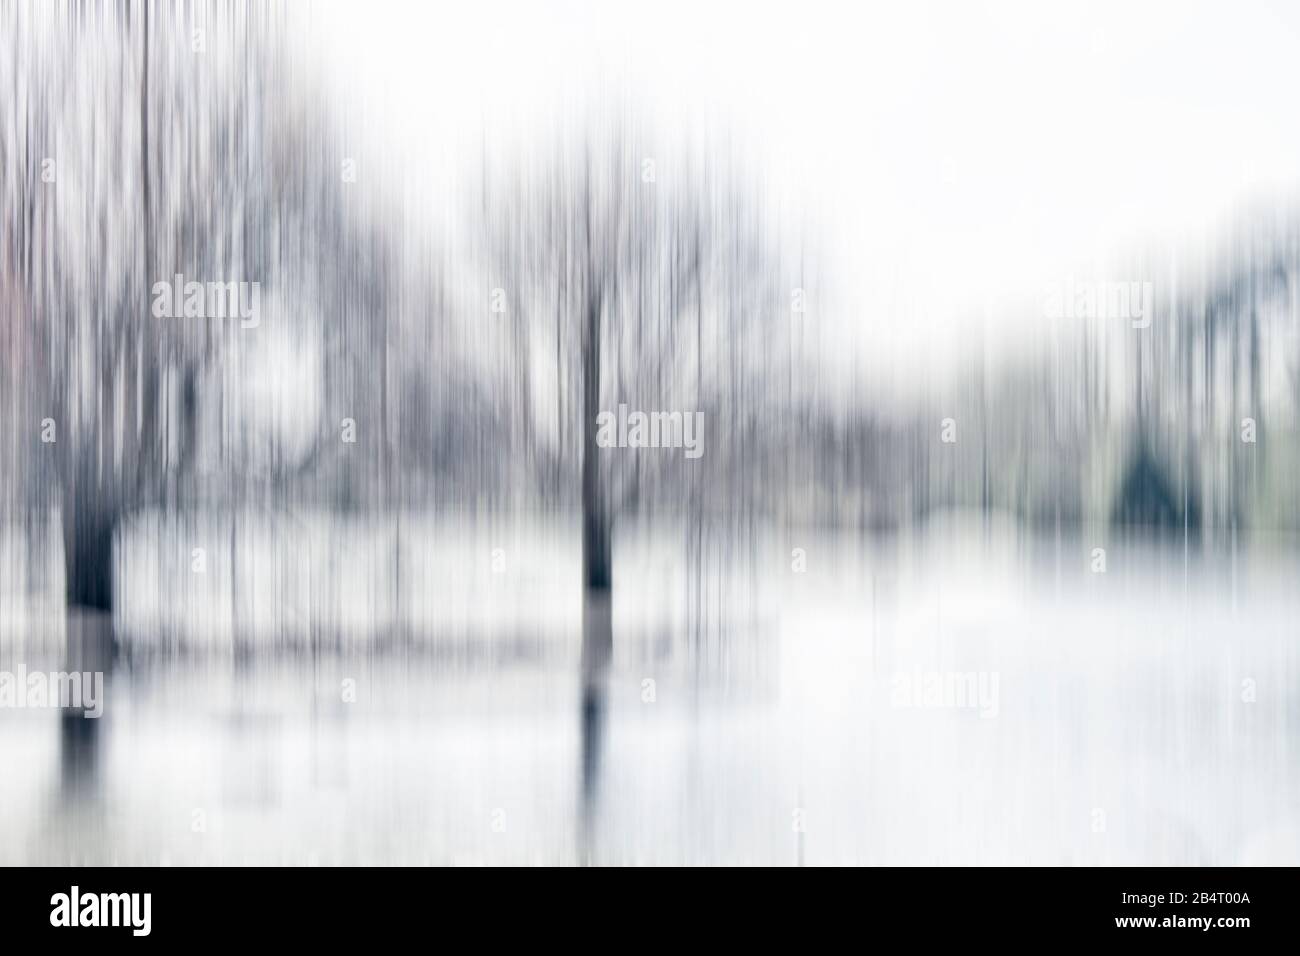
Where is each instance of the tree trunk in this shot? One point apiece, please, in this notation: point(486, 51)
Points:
point(597, 608)
point(88, 547)
point(596, 570)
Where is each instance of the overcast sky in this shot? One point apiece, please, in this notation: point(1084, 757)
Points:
point(949, 154)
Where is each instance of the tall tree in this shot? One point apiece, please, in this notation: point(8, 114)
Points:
point(666, 284)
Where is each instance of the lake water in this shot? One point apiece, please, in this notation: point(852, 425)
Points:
point(971, 695)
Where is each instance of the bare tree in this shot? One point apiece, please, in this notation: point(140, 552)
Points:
point(657, 283)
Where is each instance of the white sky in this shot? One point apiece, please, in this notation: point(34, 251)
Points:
point(950, 153)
